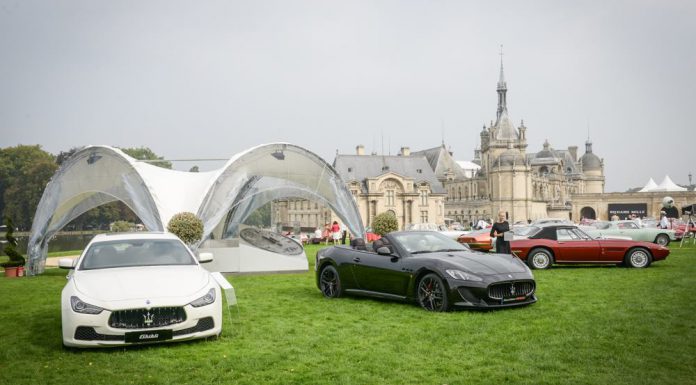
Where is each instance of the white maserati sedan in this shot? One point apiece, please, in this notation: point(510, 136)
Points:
point(133, 288)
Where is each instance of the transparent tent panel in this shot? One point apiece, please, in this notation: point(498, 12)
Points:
point(96, 175)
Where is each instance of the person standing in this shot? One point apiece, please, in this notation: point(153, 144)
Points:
point(344, 233)
point(336, 232)
point(664, 223)
point(500, 227)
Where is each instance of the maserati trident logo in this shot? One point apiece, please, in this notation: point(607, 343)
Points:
point(148, 318)
point(512, 289)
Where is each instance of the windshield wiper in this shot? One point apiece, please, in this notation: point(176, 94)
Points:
point(446, 250)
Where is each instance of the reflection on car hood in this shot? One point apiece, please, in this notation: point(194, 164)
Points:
point(481, 264)
point(141, 282)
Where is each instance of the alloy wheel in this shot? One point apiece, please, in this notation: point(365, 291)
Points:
point(431, 293)
point(329, 282)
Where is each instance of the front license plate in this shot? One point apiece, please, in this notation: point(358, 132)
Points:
point(150, 335)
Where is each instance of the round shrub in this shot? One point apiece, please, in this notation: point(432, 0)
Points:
point(384, 223)
point(187, 227)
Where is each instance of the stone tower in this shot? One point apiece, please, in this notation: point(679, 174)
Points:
point(503, 160)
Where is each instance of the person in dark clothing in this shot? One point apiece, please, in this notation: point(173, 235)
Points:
point(500, 227)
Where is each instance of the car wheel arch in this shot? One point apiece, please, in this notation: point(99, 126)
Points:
point(663, 235)
point(533, 250)
point(632, 249)
point(422, 273)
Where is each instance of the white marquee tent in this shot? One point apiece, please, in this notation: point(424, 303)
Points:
point(666, 185)
point(96, 175)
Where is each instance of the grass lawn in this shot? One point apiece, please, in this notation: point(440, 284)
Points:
point(592, 325)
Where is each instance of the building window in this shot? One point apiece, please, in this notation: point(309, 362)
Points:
point(424, 216)
point(390, 197)
point(423, 198)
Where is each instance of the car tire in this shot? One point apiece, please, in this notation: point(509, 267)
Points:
point(539, 259)
point(330, 282)
point(662, 239)
point(431, 293)
point(638, 258)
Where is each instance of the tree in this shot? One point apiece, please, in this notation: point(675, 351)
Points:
point(16, 259)
point(64, 155)
point(24, 173)
point(122, 226)
point(144, 153)
point(194, 169)
point(261, 217)
point(384, 223)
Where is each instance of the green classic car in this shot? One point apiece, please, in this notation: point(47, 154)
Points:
point(630, 229)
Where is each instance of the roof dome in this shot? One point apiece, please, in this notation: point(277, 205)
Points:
point(546, 152)
point(510, 157)
point(590, 161)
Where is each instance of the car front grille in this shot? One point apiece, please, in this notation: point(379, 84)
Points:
point(87, 333)
point(147, 318)
point(510, 290)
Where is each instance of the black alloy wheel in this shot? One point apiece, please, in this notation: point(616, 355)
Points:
point(539, 259)
point(330, 282)
point(432, 294)
point(638, 258)
point(662, 239)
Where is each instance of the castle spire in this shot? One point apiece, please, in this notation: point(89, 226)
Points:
point(502, 89)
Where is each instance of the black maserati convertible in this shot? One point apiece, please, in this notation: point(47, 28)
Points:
point(427, 267)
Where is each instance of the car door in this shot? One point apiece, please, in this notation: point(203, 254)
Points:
point(575, 246)
point(380, 273)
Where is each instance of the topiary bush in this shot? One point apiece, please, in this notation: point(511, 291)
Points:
point(16, 259)
point(384, 223)
point(187, 227)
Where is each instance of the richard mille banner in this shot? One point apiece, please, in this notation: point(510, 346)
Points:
point(624, 210)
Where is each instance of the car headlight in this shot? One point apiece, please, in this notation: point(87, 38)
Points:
point(205, 300)
point(463, 275)
point(83, 307)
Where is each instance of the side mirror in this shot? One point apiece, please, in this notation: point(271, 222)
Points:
point(384, 250)
point(66, 263)
point(205, 257)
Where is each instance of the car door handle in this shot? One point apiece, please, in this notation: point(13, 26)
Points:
point(356, 259)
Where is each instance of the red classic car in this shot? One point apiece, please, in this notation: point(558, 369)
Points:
point(479, 240)
point(547, 245)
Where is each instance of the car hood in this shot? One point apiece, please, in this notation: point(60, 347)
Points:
point(128, 283)
point(481, 264)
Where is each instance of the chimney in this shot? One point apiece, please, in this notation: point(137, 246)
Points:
point(405, 151)
point(360, 149)
point(573, 150)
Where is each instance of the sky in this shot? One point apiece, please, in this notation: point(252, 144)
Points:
point(208, 79)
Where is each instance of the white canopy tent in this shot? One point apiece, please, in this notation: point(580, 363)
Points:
point(666, 185)
point(96, 175)
point(649, 186)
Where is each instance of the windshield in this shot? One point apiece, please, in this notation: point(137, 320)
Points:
point(526, 231)
point(136, 252)
point(601, 225)
point(427, 242)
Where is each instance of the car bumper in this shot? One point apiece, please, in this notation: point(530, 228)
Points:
point(520, 290)
point(93, 330)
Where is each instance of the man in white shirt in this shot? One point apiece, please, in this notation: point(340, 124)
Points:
point(664, 223)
